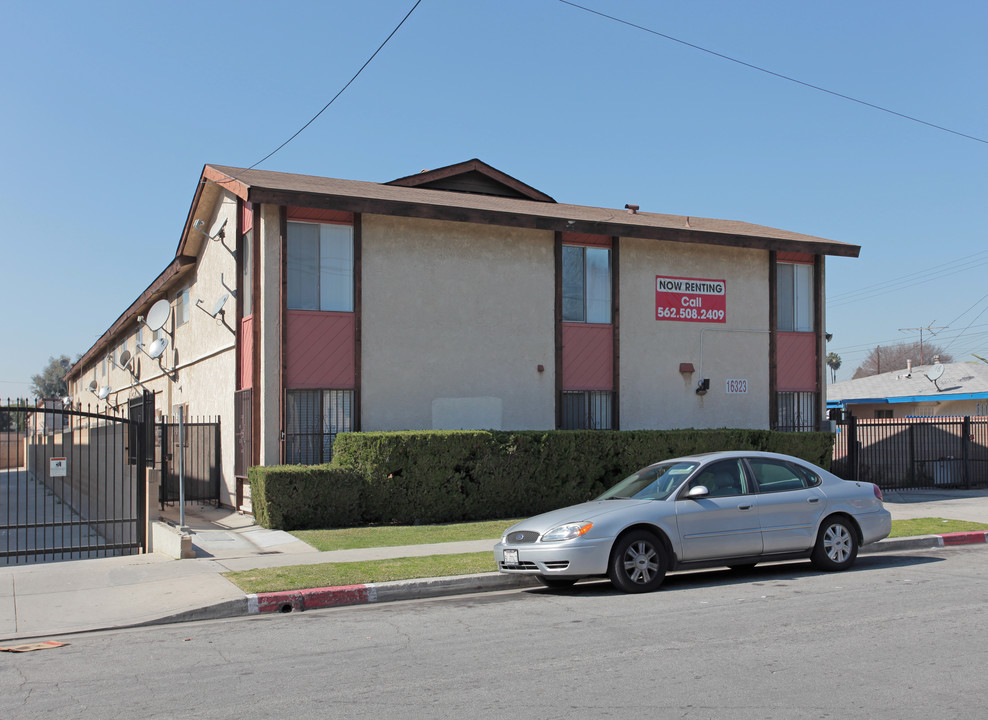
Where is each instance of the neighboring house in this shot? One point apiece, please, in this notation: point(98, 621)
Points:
point(961, 390)
point(464, 298)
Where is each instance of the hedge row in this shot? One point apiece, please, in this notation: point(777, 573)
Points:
point(452, 476)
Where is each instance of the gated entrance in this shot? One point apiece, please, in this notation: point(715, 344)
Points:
point(190, 455)
point(907, 453)
point(73, 483)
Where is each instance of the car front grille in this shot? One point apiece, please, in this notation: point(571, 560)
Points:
point(521, 536)
point(523, 565)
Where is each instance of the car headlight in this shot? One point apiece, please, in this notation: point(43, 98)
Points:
point(567, 531)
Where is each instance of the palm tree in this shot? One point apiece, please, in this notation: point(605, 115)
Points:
point(833, 362)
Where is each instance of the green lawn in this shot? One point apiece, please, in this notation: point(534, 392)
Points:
point(296, 577)
point(394, 535)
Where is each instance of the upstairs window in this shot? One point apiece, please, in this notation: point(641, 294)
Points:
point(320, 267)
point(795, 297)
point(586, 284)
point(182, 307)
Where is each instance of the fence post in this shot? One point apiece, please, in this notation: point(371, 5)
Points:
point(852, 445)
point(966, 448)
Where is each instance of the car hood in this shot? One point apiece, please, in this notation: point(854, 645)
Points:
point(593, 511)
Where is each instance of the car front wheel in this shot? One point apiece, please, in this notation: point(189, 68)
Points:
point(836, 545)
point(638, 562)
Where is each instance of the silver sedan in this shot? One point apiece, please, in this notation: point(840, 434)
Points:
point(726, 508)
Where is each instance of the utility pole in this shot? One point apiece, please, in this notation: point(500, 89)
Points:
point(930, 329)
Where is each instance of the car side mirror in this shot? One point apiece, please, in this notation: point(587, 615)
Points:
point(698, 491)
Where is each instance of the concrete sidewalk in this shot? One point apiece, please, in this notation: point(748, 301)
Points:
point(42, 600)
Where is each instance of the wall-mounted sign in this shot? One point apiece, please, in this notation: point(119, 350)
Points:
point(57, 467)
point(690, 299)
point(737, 387)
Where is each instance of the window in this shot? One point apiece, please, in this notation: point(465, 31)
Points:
point(883, 414)
point(797, 412)
point(586, 284)
point(320, 267)
point(312, 420)
point(587, 410)
point(182, 307)
point(722, 479)
point(795, 297)
point(777, 476)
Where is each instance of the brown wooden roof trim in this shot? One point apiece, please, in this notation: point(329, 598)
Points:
point(155, 291)
point(430, 176)
point(540, 222)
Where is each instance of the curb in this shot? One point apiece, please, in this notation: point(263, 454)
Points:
point(315, 598)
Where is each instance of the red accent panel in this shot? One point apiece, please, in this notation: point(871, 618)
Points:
point(327, 216)
point(319, 350)
point(247, 217)
point(571, 238)
point(588, 357)
point(795, 257)
point(797, 362)
point(246, 352)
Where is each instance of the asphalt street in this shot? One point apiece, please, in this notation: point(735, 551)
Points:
point(901, 635)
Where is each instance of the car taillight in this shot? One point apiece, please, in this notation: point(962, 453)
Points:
point(878, 493)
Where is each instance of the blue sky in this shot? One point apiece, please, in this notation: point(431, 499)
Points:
point(112, 108)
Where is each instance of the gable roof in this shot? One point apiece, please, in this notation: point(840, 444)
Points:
point(960, 381)
point(265, 186)
point(473, 176)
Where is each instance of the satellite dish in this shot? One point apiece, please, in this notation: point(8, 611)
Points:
point(157, 347)
point(93, 385)
point(936, 372)
point(158, 314)
point(124, 359)
point(104, 392)
point(219, 304)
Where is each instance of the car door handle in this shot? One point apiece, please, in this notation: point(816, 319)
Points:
point(744, 507)
point(813, 500)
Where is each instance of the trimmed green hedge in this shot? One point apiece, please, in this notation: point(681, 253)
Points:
point(453, 476)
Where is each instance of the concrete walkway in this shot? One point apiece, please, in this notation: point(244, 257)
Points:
point(42, 600)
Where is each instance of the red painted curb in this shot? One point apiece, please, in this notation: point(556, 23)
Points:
point(298, 600)
point(964, 538)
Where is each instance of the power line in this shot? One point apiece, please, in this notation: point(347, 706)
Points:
point(326, 106)
point(910, 277)
point(775, 74)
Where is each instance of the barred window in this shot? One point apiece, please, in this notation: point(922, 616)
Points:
point(587, 410)
point(797, 412)
point(313, 418)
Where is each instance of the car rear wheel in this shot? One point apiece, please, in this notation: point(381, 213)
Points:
point(638, 562)
point(557, 582)
point(836, 545)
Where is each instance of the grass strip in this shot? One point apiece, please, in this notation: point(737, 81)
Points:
point(298, 577)
point(395, 535)
point(932, 526)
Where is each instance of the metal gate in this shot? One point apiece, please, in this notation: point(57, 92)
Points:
point(907, 453)
point(197, 448)
point(72, 482)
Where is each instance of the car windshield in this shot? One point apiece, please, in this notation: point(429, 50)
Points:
point(656, 482)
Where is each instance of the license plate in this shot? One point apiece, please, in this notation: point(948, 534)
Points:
point(510, 557)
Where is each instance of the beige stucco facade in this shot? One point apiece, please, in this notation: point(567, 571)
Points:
point(457, 318)
point(654, 393)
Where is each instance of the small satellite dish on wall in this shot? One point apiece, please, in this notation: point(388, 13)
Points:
point(217, 306)
point(104, 392)
point(935, 373)
point(157, 348)
point(158, 315)
point(93, 385)
point(124, 359)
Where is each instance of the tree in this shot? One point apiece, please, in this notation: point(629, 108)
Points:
point(894, 357)
point(834, 363)
point(51, 382)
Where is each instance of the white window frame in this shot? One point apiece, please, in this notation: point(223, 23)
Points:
point(588, 301)
point(795, 294)
point(320, 274)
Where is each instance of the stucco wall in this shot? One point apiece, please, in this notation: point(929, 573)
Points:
point(269, 307)
point(654, 394)
point(456, 320)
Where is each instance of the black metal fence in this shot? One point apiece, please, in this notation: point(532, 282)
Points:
point(910, 453)
point(190, 454)
point(72, 482)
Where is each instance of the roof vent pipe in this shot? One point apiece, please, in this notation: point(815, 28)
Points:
point(909, 367)
point(632, 209)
